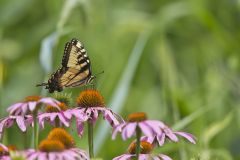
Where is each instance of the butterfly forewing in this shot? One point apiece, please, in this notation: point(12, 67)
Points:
point(75, 70)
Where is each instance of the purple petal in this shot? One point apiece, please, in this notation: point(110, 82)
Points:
point(164, 157)
point(33, 156)
point(2, 124)
point(41, 120)
point(32, 105)
point(42, 156)
point(123, 157)
point(93, 116)
point(21, 123)
point(24, 109)
point(188, 136)
point(63, 120)
point(144, 157)
point(79, 114)
point(117, 129)
point(161, 139)
point(80, 127)
point(108, 115)
point(4, 147)
point(52, 117)
point(130, 129)
point(156, 126)
point(67, 114)
point(148, 139)
point(13, 107)
point(146, 129)
point(49, 101)
point(51, 156)
point(170, 134)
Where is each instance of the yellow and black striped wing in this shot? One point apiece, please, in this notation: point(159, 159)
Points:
point(75, 69)
point(77, 65)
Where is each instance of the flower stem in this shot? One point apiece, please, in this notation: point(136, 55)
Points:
point(138, 137)
point(35, 130)
point(25, 142)
point(90, 139)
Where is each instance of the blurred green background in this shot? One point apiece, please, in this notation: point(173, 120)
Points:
point(176, 60)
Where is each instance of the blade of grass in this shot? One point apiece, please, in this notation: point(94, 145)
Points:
point(122, 89)
point(215, 128)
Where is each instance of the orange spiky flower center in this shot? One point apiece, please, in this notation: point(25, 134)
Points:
point(63, 136)
point(32, 98)
point(49, 145)
point(3, 152)
point(90, 98)
point(51, 109)
point(145, 147)
point(137, 117)
point(12, 147)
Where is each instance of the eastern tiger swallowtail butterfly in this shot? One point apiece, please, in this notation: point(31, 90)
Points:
point(75, 69)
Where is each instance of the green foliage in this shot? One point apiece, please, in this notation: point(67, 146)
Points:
point(64, 97)
point(187, 74)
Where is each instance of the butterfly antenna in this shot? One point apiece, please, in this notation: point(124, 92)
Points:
point(98, 73)
point(42, 84)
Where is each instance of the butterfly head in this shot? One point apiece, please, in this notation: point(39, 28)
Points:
point(46, 85)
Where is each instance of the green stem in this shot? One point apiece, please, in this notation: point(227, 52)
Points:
point(25, 140)
point(35, 130)
point(90, 139)
point(57, 123)
point(138, 137)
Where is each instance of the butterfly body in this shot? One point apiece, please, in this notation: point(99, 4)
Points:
point(75, 70)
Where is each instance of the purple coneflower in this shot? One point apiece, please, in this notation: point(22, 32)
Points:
point(58, 145)
point(29, 105)
point(153, 129)
point(90, 104)
point(145, 153)
point(22, 122)
point(167, 133)
point(4, 151)
point(56, 117)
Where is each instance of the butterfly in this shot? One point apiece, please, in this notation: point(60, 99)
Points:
point(75, 70)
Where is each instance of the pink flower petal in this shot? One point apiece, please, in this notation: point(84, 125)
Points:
point(155, 125)
point(67, 114)
point(21, 123)
point(4, 147)
point(169, 133)
point(32, 156)
point(32, 105)
point(124, 157)
point(42, 156)
point(49, 101)
point(164, 157)
point(13, 107)
point(80, 126)
point(63, 120)
point(117, 129)
point(146, 129)
point(24, 109)
point(52, 117)
point(130, 129)
point(52, 156)
point(188, 136)
point(161, 139)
